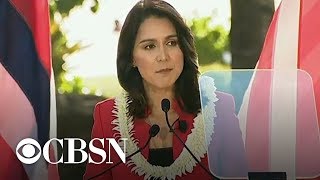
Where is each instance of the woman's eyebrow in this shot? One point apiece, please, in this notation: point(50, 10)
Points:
point(171, 36)
point(152, 39)
point(147, 40)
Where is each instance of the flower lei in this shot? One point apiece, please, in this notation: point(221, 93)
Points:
point(196, 140)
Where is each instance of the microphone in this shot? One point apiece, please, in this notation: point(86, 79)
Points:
point(183, 126)
point(165, 106)
point(153, 131)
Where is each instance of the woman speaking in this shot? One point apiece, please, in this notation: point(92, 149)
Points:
point(157, 60)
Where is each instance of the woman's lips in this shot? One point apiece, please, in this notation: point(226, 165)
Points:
point(166, 70)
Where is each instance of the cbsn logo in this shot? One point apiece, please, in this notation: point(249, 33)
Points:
point(28, 149)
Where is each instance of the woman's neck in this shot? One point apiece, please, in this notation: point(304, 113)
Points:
point(155, 96)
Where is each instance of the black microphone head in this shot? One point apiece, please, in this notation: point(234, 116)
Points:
point(154, 130)
point(165, 105)
point(183, 126)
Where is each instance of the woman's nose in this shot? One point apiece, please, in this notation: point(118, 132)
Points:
point(162, 54)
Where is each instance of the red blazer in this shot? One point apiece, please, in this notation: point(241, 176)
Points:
point(103, 128)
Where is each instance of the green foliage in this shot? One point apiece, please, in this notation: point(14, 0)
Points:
point(60, 51)
point(73, 85)
point(63, 7)
point(213, 66)
point(60, 9)
point(211, 42)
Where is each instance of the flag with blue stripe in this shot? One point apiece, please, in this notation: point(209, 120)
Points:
point(26, 106)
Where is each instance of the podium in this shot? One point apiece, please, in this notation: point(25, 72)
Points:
point(270, 130)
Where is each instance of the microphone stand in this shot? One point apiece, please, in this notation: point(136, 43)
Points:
point(154, 130)
point(165, 110)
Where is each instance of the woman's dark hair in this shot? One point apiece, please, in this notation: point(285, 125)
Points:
point(186, 86)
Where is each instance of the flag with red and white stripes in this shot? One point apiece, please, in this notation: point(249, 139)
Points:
point(292, 53)
point(27, 96)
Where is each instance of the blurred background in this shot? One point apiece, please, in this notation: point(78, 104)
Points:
point(229, 34)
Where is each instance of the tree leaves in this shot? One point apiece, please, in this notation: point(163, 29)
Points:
point(211, 42)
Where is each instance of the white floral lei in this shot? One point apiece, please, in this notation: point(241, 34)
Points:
point(195, 141)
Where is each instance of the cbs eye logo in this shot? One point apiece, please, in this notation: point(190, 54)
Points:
point(28, 153)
